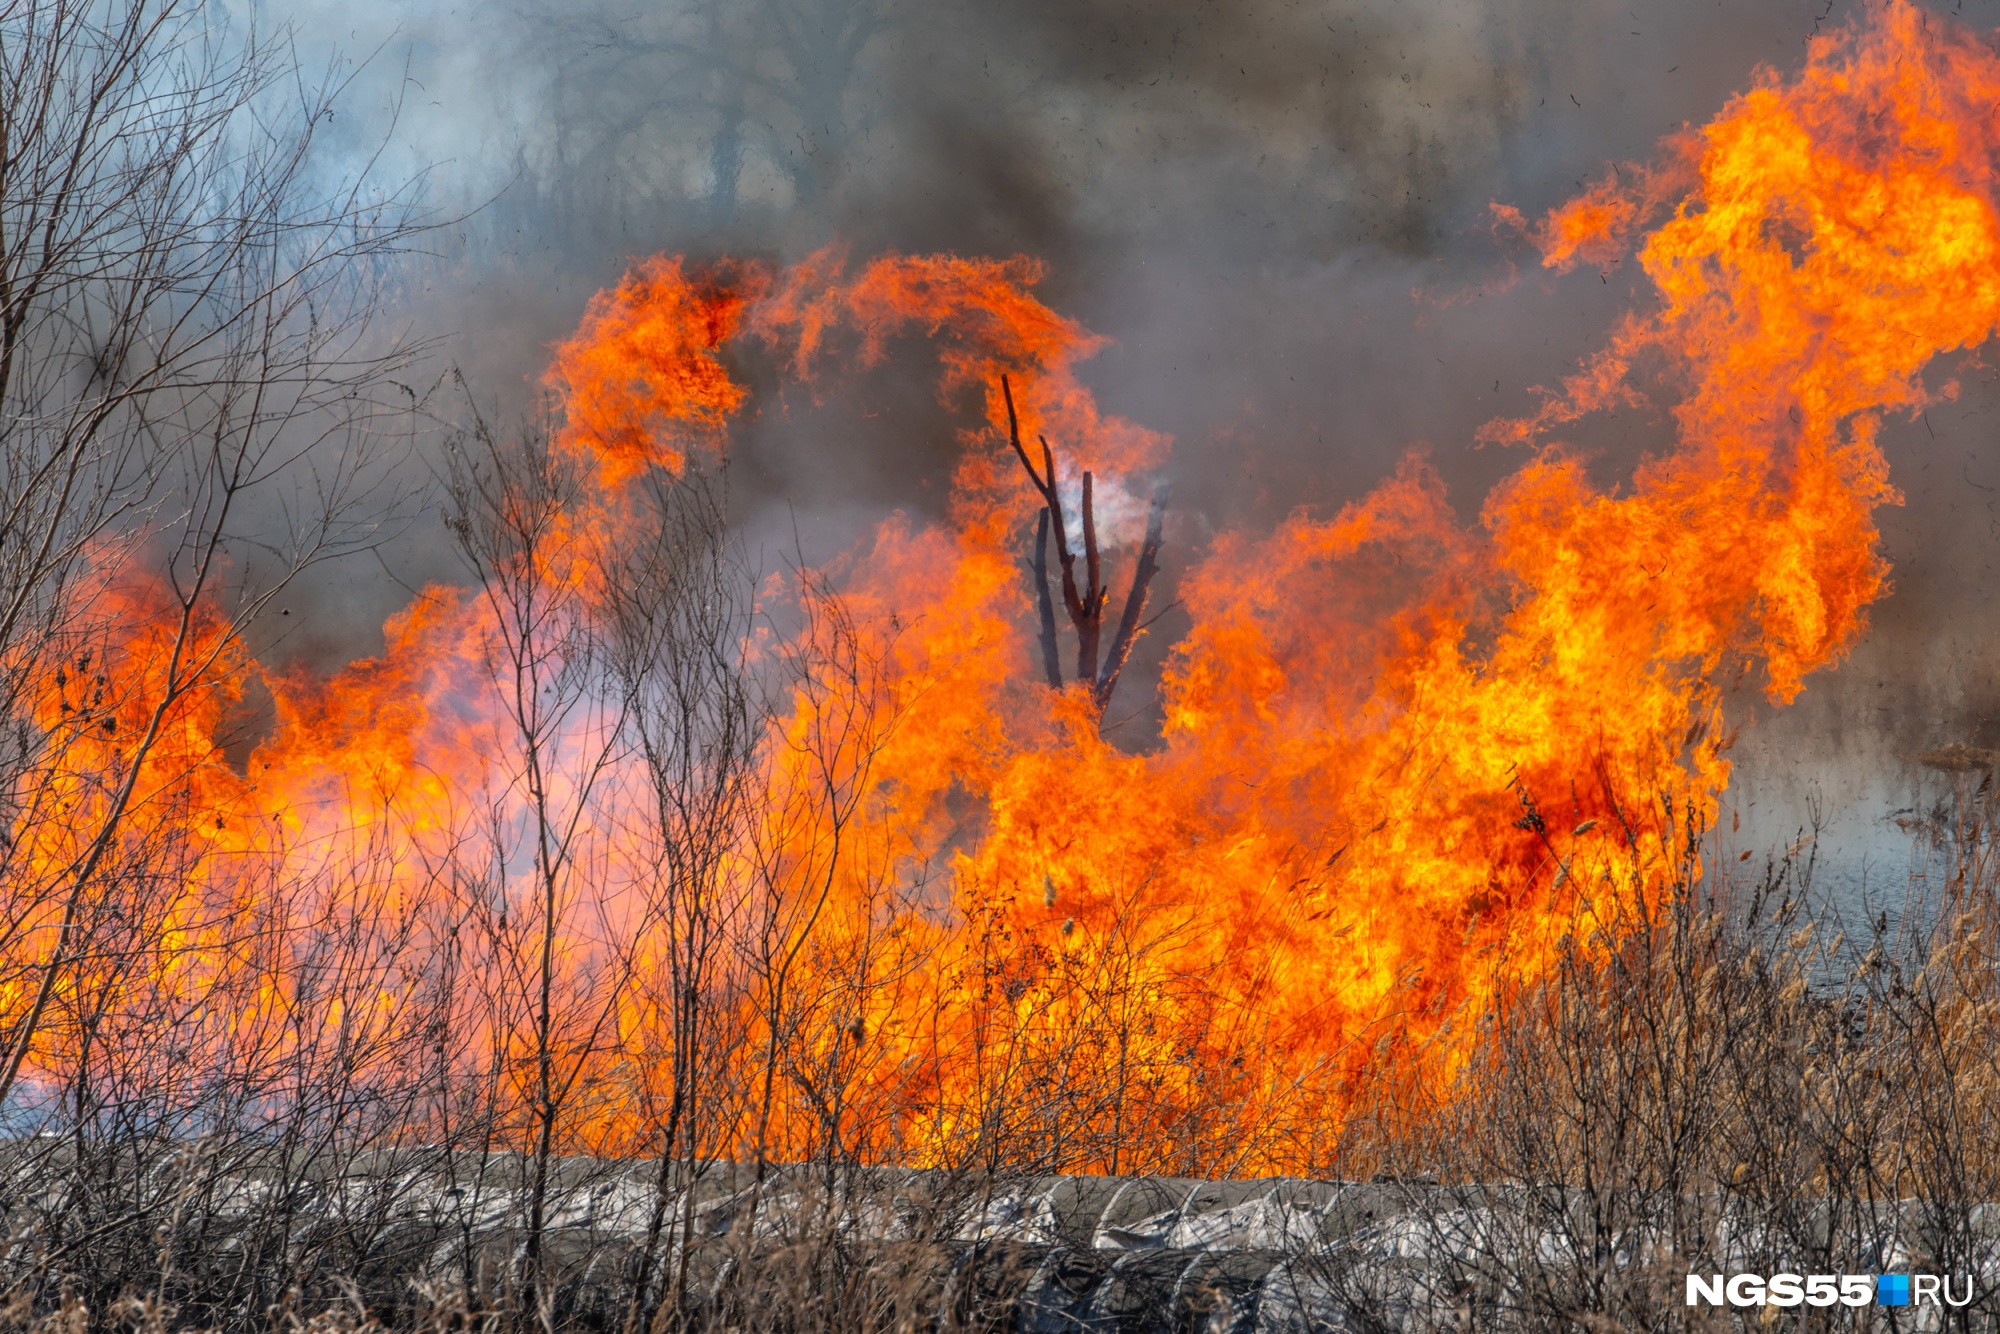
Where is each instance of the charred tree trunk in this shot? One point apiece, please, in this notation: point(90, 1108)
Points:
point(1135, 599)
point(1097, 667)
point(1090, 623)
point(1045, 605)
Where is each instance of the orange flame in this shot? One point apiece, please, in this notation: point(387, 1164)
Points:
point(641, 382)
point(1401, 760)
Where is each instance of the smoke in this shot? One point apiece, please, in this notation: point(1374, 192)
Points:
point(1278, 211)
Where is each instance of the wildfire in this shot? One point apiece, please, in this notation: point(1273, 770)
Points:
point(1401, 761)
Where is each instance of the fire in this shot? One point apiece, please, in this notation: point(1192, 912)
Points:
point(1402, 758)
point(647, 381)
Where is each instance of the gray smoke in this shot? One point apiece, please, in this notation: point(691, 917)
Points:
point(1279, 211)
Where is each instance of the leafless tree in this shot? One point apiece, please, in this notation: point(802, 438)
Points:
point(679, 616)
point(776, 83)
point(195, 405)
point(1097, 665)
point(192, 410)
point(812, 854)
point(562, 952)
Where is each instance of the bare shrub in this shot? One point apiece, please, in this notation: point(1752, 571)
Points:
point(1728, 1082)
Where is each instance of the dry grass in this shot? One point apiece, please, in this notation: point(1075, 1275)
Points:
point(1728, 1083)
point(1732, 1083)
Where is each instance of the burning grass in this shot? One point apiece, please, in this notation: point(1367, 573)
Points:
point(1738, 1085)
point(621, 853)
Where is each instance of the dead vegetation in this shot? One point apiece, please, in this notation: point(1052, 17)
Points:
point(1743, 1080)
point(239, 1134)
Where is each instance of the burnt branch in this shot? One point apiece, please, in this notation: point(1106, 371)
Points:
point(1135, 600)
point(1073, 601)
point(1048, 487)
point(1085, 605)
point(1045, 483)
point(1090, 625)
point(1045, 605)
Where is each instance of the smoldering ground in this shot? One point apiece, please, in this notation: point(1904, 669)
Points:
point(1279, 212)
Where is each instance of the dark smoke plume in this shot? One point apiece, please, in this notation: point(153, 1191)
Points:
point(1279, 211)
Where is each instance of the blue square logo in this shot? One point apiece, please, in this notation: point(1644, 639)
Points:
point(1892, 1289)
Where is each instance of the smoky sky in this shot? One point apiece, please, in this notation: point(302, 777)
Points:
point(1279, 212)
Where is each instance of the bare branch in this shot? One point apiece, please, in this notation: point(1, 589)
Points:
point(1047, 486)
point(1045, 604)
point(1090, 620)
point(1135, 601)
